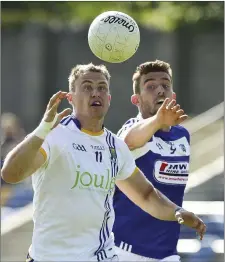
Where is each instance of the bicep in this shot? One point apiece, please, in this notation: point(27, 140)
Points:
point(136, 187)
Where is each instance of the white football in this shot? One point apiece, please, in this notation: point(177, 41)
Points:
point(113, 37)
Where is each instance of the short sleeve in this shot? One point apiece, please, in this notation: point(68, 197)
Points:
point(45, 148)
point(128, 166)
point(45, 151)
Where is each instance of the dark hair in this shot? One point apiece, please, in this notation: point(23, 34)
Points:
point(81, 69)
point(147, 67)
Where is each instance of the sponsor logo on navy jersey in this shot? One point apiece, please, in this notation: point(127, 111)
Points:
point(171, 172)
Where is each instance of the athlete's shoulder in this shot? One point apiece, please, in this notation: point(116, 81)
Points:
point(128, 124)
point(182, 131)
point(131, 121)
point(55, 137)
point(61, 130)
point(70, 122)
point(113, 135)
point(119, 142)
point(67, 120)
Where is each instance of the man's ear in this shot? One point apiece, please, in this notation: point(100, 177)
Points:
point(174, 96)
point(109, 97)
point(135, 99)
point(69, 98)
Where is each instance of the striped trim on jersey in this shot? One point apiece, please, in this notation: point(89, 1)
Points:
point(66, 120)
point(104, 231)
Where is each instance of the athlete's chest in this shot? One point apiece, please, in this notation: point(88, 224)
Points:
point(165, 161)
point(90, 151)
point(169, 148)
point(91, 162)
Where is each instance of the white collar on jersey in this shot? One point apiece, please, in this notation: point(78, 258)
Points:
point(73, 123)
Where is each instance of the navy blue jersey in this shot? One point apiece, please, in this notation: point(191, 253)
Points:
point(165, 162)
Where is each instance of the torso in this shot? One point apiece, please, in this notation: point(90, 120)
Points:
point(73, 212)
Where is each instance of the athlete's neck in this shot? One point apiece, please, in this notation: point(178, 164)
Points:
point(90, 124)
point(165, 128)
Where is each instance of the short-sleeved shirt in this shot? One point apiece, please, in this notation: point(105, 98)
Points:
point(73, 191)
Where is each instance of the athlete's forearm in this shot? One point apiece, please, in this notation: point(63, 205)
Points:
point(140, 133)
point(159, 206)
point(19, 161)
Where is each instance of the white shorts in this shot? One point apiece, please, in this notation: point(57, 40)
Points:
point(128, 256)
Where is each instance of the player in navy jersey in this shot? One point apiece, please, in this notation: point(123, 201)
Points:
point(161, 148)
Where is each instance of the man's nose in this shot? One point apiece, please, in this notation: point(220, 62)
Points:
point(160, 90)
point(95, 92)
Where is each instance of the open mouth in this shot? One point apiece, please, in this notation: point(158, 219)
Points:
point(160, 102)
point(96, 104)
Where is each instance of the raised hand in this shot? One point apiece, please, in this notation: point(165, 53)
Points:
point(189, 219)
point(170, 114)
point(51, 110)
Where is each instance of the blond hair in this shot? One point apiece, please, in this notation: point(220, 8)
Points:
point(81, 69)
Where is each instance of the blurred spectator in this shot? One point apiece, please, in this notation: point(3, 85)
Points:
point(18, 195)
point(12, 132)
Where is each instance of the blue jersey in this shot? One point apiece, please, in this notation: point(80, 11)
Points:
point(165, 162)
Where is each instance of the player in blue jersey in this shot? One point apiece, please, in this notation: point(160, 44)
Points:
point(161, 148)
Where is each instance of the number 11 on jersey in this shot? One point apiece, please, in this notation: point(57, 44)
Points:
point(98, 156)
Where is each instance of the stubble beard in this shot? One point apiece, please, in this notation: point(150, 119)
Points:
point(147, 111)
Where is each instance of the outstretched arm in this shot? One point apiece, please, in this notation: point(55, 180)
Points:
point(139, 190)
point(140, 133)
